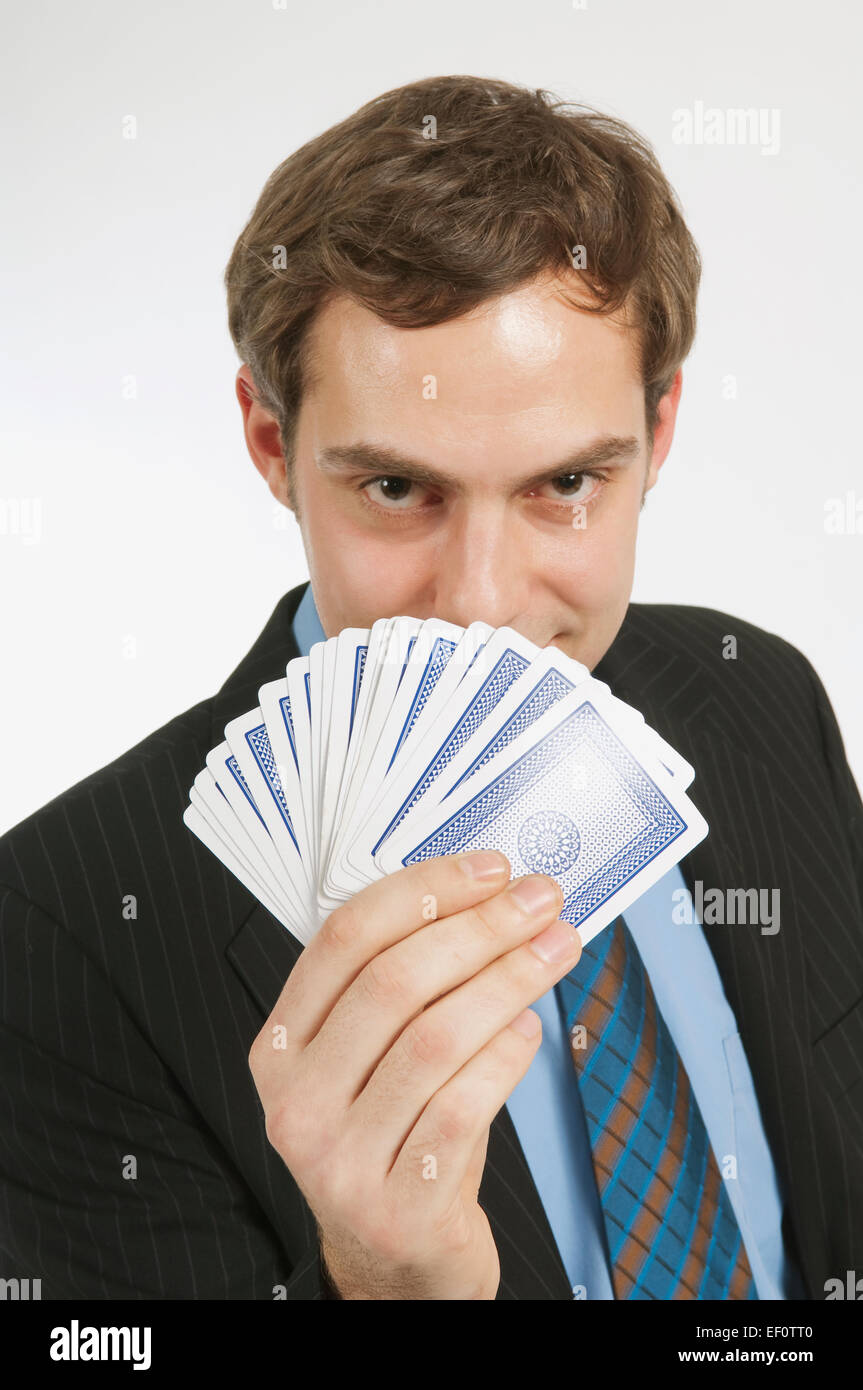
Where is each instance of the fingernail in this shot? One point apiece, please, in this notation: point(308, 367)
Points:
point(535, 893)
point(485, 863)
point(555, 943)
point(527, 1023)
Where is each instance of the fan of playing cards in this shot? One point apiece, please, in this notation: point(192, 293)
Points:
point(415, 738)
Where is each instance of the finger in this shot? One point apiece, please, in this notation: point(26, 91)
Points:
point(357, 930)
point(403, 980)
point(439, 1041)
point(448, 1136)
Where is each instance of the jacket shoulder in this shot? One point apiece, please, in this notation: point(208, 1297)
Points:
point(680, 664)
point(710, 637)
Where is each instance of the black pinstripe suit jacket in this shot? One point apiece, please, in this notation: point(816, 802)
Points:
point(133, 1156)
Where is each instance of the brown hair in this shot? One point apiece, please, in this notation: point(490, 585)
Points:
point(421, 230)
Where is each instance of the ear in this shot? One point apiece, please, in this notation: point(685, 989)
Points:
point(664, 432)
point(263, 441)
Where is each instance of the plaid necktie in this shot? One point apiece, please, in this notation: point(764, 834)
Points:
point(671, 1228)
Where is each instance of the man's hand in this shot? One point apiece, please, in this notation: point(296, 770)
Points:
point(398, 1036)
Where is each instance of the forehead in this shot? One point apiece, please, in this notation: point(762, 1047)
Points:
point(526, 351)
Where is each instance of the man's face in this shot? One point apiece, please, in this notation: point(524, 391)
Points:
point(496, 490)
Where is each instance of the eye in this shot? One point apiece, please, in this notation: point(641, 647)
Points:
point(393, 493)
point(573, 487)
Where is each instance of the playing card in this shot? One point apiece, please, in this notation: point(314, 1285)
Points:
point(415, 738)
point(216, 810)
point(249, 742)
point(389, 653)
point(498, 689)
point(570, 798)
point(238, 792)
point(429, 653)
point(297, 679)
point(373, 667)
point(350, 652)
point(200, 819)
point(429, 700)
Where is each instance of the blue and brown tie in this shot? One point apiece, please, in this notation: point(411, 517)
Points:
point(672, 1232)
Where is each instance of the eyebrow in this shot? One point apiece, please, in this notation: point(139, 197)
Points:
point(380, 459)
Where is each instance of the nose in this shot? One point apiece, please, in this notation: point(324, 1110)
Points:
point(484, 568)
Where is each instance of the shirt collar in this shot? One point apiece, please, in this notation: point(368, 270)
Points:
point(307, 624)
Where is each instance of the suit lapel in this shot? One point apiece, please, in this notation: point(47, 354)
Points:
point(730, 790)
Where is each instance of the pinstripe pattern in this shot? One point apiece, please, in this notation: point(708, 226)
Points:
point(671, 1229)
point(127, 1037)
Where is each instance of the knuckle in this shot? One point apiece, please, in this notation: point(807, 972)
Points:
point(425, 877)
point(337, 1189)
point(430, 882)
point(256, 1053)
point(384, 982)
point(501, 1054)
point(488, 920)
point(510, 974)
point(312, 1151)
point(437, 871)
point(342, 929)
point(439, 877)
point(508, 1047)
point(429, 1039)
point(281, 1129)
point(453, 1114)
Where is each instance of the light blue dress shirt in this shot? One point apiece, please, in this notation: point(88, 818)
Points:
point(548, 1115)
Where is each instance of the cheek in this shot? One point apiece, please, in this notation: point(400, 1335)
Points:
point(357, 577)
point(594, 565)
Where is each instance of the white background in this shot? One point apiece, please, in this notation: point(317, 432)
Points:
point(146, 556)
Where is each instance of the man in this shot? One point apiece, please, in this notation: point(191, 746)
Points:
point(462, 315)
